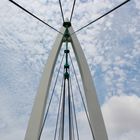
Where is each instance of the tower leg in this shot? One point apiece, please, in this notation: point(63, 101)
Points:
point(37, 114)
point(93, 107)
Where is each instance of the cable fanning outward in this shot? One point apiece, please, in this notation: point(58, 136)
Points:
point(63, 113)
point(59, 109)
point(84, 105)
point(70, 16)
point(72, 10)
point(101, 16)
point(34, 16)
point(61, 10)
point(74, 110)
point(47, 111)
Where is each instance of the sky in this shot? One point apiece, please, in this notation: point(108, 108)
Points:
point(112, 49)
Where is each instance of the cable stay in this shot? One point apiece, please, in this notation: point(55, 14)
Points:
point(63, 113)
point(59, 110)
point(70, 113)
point(74, 110)
point(72, 121)
point(47, 111)
point(84, 105)
point(61, 11)
point(102, 16)
point(70, 16)
point(34, 16)
point(72, 10)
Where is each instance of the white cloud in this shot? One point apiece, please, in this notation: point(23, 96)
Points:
point(122, 117)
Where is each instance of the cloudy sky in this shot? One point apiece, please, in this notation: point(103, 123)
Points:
point(112, 49)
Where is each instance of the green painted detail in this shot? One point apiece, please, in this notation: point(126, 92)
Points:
point(66, 66)
point(67, 34)
point(66, 51)
point(66, 75)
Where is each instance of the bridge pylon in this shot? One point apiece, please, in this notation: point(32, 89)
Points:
point(93, 108)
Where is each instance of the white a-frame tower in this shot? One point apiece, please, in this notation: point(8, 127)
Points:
point(38, 111)
point(66, 34)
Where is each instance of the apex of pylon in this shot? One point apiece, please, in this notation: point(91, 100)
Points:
point(66, 24)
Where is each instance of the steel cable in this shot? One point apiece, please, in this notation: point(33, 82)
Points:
point(61, 10)
point(58, 113)
point(82, 98)
point(74, 110)
point(69, 108)
point(63, 112)
point(51, 98)
point(34, 16)
point(101, 16)
point(72, 10)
